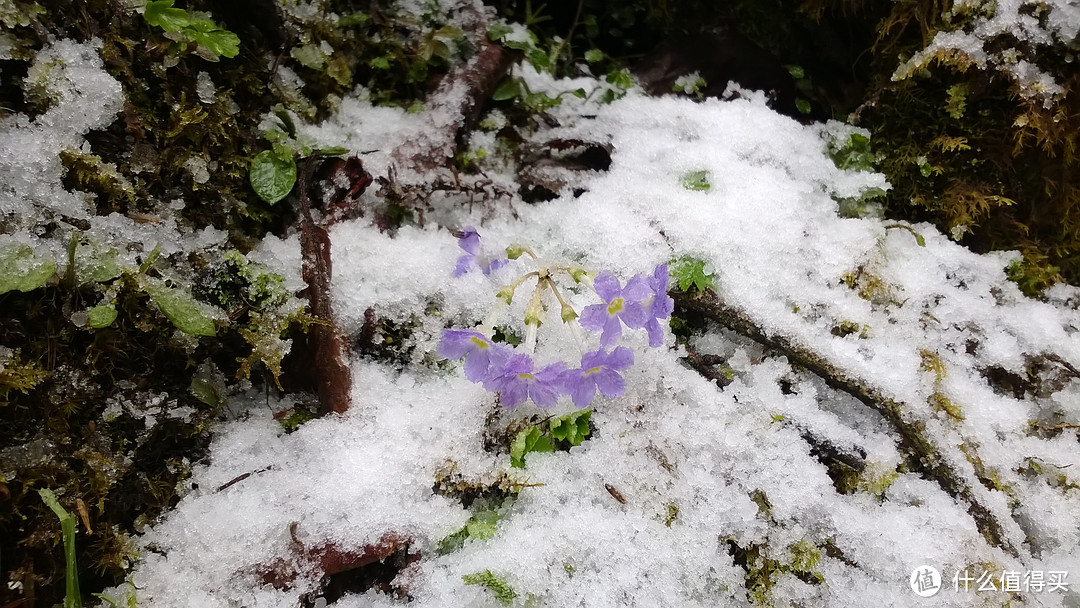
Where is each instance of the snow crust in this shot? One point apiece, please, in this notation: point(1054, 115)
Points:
point(1022, 25)
point(768, 229)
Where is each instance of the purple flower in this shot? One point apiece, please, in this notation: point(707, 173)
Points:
point(481, 354)
point(622, 305)
point(469, 241)
point(599, 370)
point(660, 307)
point(517, 382)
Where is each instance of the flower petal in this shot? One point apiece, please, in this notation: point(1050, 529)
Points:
point(514, 394)
point(637, 289)
point(612, 332)
point(634, 315)
point(620, 358)
point(606, 286)
point(594, 317)
point(495, 265)
point(656, 333)
point(477, 365)
point(610, 383)
point(593, 359)
point(457, 343)
point(470, 240)
point(464, 263)
point(542, 394)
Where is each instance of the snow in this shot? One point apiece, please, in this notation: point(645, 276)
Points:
point(1009, 27)
point(769, 229)
point(597, 525)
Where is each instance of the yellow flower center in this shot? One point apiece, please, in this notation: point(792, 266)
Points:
point(615, 306)
point(527, 376)
point(595, 369)
point(478, 342)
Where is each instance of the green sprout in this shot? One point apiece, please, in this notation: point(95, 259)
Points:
point(184, 27)
point(72, 597)
point(689, 272)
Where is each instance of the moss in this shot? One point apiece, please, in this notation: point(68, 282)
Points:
point(18, 375)
point(764, 570)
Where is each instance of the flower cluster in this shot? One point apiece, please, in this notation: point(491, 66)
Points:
point(510, 371)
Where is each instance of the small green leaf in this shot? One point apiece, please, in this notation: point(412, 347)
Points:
point(309, 55)
point(101, 316)
point(803, 106)
point(380, 63)
point(333, 151)
point(796, 72)
point(497, 31)
point(207, 33)
point(482, 526)
point(496, 584)
point(185, 312)
point(272, 175)
point(357, 19)
point(96, 264)
point(160, 13)
point(579, 93)
point(689, 272)
point(620, 78)
point(573, 427)
point(21, 269)
point(920, 240)
point(696, 180)
point(509, 88)
point(594, 55)
point(204, 391)
point(526, 441)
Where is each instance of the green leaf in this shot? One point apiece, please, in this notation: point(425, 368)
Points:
point(309, 55)
point(689, 272)
point(482, 526)
point(920, 240)
point(497, 31)
point(161, 13)
point(204, 391)
point(21, 269)
point(621, 79)
point(273, 175)
point(526, 441)
point(357, 19)
point(509, 88)
point(579, 93)
point(219, 41)
point(380, 63)
point(95, 264)
point(573, 427)
point(539, 59)
point(333, 151)
point(185, 312)
point(101, 316)
point(496, 584)
point(803, 106)
point(203, 31)
point(696, 180)
point(594, 55)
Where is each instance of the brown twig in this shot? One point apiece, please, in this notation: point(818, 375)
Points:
point(334, 383)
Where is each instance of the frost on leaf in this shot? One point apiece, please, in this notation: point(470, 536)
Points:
point(186, 313)
point(21, 269)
